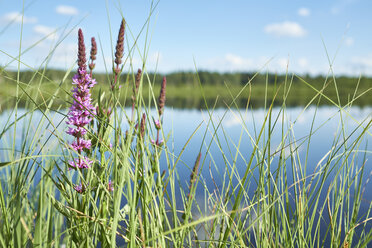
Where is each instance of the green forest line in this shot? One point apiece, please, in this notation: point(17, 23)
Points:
point(184, 88)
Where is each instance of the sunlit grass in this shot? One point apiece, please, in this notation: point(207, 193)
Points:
point(274, 202)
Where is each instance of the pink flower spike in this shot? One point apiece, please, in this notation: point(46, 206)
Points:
point(157, 124)
point(81, 144)
point(80, 188)
point(81, 163)
point(82, 111)
point(110, 187)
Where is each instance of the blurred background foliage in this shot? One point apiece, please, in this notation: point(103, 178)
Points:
point(183, 88)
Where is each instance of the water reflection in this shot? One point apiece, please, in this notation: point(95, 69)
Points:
point(221, 129)
point(227, 138)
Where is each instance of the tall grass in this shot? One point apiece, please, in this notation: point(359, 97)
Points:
point(127, 199)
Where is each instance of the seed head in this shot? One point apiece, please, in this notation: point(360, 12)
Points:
point(194, 173)
point(136, 85)
point(93, 53)
point(143, 125)
point(81, 51)
point(119, 46)
point(138, 80)
point(161, 102)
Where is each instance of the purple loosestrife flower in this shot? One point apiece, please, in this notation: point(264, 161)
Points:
point(81, 144)
point(80, 163)
point(157, 124)
point(110, 187)
point(81, 111)
point(80, 188)
point(157, 142)
point(76, 132)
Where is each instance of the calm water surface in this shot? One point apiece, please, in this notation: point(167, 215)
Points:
point(233, 128)
point(236, 129)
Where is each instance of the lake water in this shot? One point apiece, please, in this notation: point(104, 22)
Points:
point(232, 127)
point(238, 128)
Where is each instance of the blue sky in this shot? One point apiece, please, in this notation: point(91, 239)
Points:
point(224, 36)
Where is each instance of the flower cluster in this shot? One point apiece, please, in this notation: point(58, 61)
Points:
point(81, 111)
point(110, 186)
point(80, 188)
point(157, 143)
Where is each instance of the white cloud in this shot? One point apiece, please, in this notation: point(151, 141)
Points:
point(303, 62)
point(232, 62)
point(364, 62)
point(229, 62)
point(66, 10)
point(289, 29)
point(349, 41)
point(17, 18)
point(237, 61)
point(64, 55)
point(45, 31)
point(153, 61)
point(340, 6)
point(355, 66)
point(155, 57)
point(303, 12)
point(283, 63)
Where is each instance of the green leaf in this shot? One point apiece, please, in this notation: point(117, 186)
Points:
point(2, 164)
point(60, 207)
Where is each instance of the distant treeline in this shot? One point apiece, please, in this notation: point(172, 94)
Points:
point(191, 78)
point(183, 88)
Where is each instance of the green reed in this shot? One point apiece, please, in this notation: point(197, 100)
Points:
point(128, 200)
